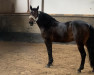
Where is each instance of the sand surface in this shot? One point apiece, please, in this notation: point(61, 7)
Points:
point(22, 58)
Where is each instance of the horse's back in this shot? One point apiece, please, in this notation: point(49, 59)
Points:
point(80, 23)
point(62, 32)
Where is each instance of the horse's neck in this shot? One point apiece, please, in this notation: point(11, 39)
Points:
point(45, 21)
point(40, 25)
point(39, 21)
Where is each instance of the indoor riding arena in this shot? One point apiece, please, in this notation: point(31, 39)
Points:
point(22, 48)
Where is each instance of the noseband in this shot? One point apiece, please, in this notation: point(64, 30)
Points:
point(35, 19)
point(31, 16)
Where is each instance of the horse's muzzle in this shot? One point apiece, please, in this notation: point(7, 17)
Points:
point(31, 23)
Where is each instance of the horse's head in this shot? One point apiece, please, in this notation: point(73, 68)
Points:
point(33, 15)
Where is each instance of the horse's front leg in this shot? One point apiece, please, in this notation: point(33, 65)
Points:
point(49, 50)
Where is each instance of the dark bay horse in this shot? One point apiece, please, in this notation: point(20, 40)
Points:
point(55, 31)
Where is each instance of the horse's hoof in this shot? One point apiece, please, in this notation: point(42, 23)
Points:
point(79, 71)
point(48, 65)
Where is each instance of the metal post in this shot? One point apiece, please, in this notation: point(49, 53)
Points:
point(42, 7)
point(28, 6)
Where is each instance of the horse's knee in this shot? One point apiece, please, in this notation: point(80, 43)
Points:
point(83, 55)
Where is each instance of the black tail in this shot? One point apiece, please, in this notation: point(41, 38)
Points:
point(90, 46)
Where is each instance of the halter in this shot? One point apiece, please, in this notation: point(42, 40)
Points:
point(35, 19)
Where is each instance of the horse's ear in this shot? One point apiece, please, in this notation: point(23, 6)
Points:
point(37, 7)
point(30, 7)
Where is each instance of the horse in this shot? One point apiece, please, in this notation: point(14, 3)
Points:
point(54, 31)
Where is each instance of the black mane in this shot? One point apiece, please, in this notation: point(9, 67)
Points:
point(46, 20)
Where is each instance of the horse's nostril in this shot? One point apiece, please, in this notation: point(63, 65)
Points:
point(31, 23)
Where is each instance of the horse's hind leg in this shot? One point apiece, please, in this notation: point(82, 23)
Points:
point(83, 56)
point(49, 50)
